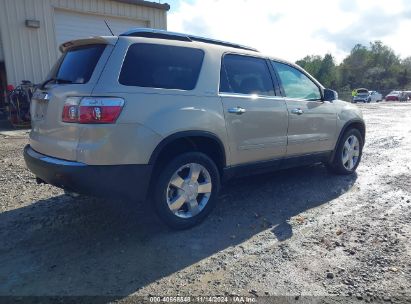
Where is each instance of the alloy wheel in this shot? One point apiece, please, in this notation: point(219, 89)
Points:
point(189, 190)
point(351, 152)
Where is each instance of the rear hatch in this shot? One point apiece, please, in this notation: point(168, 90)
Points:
point(75, 74)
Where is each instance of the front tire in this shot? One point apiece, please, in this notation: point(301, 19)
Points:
point(348, 154)
point(186, 190)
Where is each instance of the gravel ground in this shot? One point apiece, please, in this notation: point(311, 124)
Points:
point(301, 232)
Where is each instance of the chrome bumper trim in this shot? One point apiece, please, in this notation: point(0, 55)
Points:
point(52, 160)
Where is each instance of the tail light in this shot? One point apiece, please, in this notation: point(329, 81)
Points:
point(92, 110)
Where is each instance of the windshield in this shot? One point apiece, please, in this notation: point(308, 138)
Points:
point(78, 64)
point(362, 91)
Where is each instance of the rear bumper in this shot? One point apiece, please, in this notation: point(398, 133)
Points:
point(122, 181)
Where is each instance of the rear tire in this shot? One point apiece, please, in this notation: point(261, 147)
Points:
point(348, 153)
point(186, 190)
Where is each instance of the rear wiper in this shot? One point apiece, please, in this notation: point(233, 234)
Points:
point(56, 80)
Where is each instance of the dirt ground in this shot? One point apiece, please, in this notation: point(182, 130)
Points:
point(301, 232)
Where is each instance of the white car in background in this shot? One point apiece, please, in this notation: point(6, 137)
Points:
point(375, 96)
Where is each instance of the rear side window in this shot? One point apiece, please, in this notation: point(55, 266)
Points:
point(245, 75)
point(78, 64)
point(161, 66)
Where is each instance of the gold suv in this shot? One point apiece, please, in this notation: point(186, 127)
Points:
point(164, 116)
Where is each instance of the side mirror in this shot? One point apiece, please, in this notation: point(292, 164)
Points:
point(330, 95)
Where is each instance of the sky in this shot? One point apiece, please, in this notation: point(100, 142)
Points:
point(292, 29)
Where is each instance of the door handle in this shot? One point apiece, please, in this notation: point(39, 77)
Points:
point(297, 111)
point(236, 110)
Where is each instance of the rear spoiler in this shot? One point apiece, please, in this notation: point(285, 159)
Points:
point(93, 40)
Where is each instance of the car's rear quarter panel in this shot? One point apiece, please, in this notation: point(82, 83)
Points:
point(150, 114)
point(50, 135)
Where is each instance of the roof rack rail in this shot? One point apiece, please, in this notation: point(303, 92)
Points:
point(162, 34)
point(223, 43)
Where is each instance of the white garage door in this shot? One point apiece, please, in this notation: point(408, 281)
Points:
point(73, 25)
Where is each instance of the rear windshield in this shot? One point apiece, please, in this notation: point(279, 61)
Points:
point(78, 64)
point(161, 66)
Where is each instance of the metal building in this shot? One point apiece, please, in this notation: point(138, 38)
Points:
point(32, 30)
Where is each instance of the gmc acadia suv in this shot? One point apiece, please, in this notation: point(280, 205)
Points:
point(170, 116)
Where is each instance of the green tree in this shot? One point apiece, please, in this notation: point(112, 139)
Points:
point(312, 64)
point(375, 67)
point(328, 72)
point(404, 79)
point(353, 67)
point(322, 68)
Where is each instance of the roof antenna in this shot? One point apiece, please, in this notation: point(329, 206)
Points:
point(109, 27)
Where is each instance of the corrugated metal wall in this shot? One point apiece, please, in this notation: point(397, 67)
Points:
point(30, 53)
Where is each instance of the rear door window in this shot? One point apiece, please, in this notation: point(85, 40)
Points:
point(161, 66)
point(78, 64)
point(245, 75)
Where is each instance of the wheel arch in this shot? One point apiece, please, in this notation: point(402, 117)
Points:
point(201, 141)
point(351, 124)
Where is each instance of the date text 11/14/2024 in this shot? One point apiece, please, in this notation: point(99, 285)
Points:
point(203, 299)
